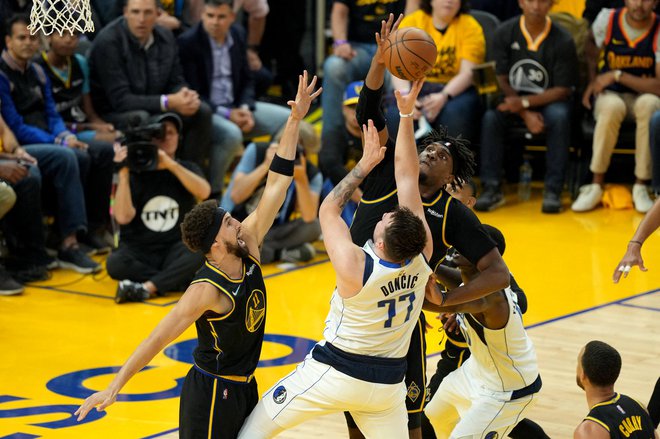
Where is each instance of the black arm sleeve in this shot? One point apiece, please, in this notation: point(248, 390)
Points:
point(369, 106)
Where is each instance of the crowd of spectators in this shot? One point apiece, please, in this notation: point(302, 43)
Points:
point(200, 69)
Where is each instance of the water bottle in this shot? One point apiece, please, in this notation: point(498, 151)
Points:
point(525, 181)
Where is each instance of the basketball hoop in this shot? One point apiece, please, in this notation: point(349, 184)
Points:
point(72, 16)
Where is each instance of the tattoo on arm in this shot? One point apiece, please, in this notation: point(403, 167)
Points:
point(344, 190)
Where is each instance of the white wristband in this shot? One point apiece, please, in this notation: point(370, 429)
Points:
point(406, 115)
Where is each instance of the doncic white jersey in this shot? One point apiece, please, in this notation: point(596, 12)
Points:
point(504, 359)
point(379, 320)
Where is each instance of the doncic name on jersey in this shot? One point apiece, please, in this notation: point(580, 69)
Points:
point(402, 282)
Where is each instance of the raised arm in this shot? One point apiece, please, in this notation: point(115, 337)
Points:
point(197, 299)
point(633, 255)
point(278, 180)
point(344, 255)
point(406, 161)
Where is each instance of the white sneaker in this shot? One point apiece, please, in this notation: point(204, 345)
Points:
point(589, 197)
point(641, 198)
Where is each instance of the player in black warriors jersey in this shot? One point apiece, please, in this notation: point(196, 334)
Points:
point(444, 161)
point(227, 302)
point(611, 414)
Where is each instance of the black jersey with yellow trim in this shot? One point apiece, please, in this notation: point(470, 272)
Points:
point(623, 418)
point(230, 344)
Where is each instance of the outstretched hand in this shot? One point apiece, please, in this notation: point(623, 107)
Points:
point(406, 103)
point(101, 399)
point(632, 257)
point(386, 28)
point(304, 96)
point(373, 153)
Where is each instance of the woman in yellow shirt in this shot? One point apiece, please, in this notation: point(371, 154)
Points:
point(448, 97)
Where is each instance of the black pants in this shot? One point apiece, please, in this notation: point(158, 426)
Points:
point(216, 404)
point(96, 167)
point(170, 267)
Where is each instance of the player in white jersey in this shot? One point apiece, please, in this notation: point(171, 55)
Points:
point(360, 365)
point(495, 388)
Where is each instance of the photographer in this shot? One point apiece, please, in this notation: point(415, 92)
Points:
point(297, 224)
point(153, 195)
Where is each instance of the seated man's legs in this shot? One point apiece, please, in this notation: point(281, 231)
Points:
point(494, 126)
point(226, 144)
point(557, 121)
point(643, 109)
point(337, 74)
point(59, 169)
point(268, 118)
point(655, 150)
point(462, 115)
point(196, 137)
point(290, 235)
point(178, 269)
point(609, 112)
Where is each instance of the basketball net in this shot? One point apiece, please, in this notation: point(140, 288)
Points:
point(71, 16)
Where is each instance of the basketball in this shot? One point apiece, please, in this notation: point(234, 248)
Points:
point(409, 53)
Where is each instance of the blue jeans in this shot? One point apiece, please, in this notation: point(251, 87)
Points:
point(461, 115)
point(494, 126)
point(59, 168)
point(655, 150)
point(337, 74)
point(227, 140)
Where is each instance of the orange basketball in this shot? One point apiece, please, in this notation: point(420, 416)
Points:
point(409, 53)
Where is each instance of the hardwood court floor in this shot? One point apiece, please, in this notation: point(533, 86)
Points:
point(64, 338)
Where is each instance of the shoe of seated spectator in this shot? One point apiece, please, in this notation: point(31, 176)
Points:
point(129, 291)
point(8, 285)
point(641, 198)
point(551, 202)
point(95, 244)
point(303, 253)
point(75, 259)
point(35, 273)
point(491, 199)
point(589, 197)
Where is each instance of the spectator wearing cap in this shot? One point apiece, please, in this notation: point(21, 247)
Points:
point(149, 207)
point(338, 157)
point(215, 64)
point(296, 225)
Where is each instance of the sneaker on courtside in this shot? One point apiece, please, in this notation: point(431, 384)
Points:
point(641, 198)
point(303, 253)
point(75, 259)
point(129, 291)
point(590, 196)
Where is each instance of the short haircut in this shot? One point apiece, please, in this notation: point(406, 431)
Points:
point(196, 223)
point(216, 3)
point(601, 363)
point(470, 182)
point(497, 236)
point(425, 5)
point(14, 19)
point(461, 154)
point(405, 236)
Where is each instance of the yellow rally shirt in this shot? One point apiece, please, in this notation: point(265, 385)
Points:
point(462, 40)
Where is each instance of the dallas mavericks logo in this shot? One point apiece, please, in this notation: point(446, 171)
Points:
point(279, 395)
point(160, 214)
point(529, 76)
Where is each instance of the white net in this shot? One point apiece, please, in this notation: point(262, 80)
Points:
point(71, 16)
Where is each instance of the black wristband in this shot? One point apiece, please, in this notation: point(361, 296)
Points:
point(282, 166)
point(370, 107)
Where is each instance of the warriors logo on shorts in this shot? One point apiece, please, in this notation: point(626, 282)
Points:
point(279, 395)
point(413, 391)
point(256, 310)
point(492, 435)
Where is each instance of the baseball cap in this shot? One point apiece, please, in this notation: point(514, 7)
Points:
point(171, 117)
point(352, 92)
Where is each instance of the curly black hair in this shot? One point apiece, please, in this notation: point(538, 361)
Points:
point(196, 223)
point(461, 154)
point(425, 5)
point(601, 363)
